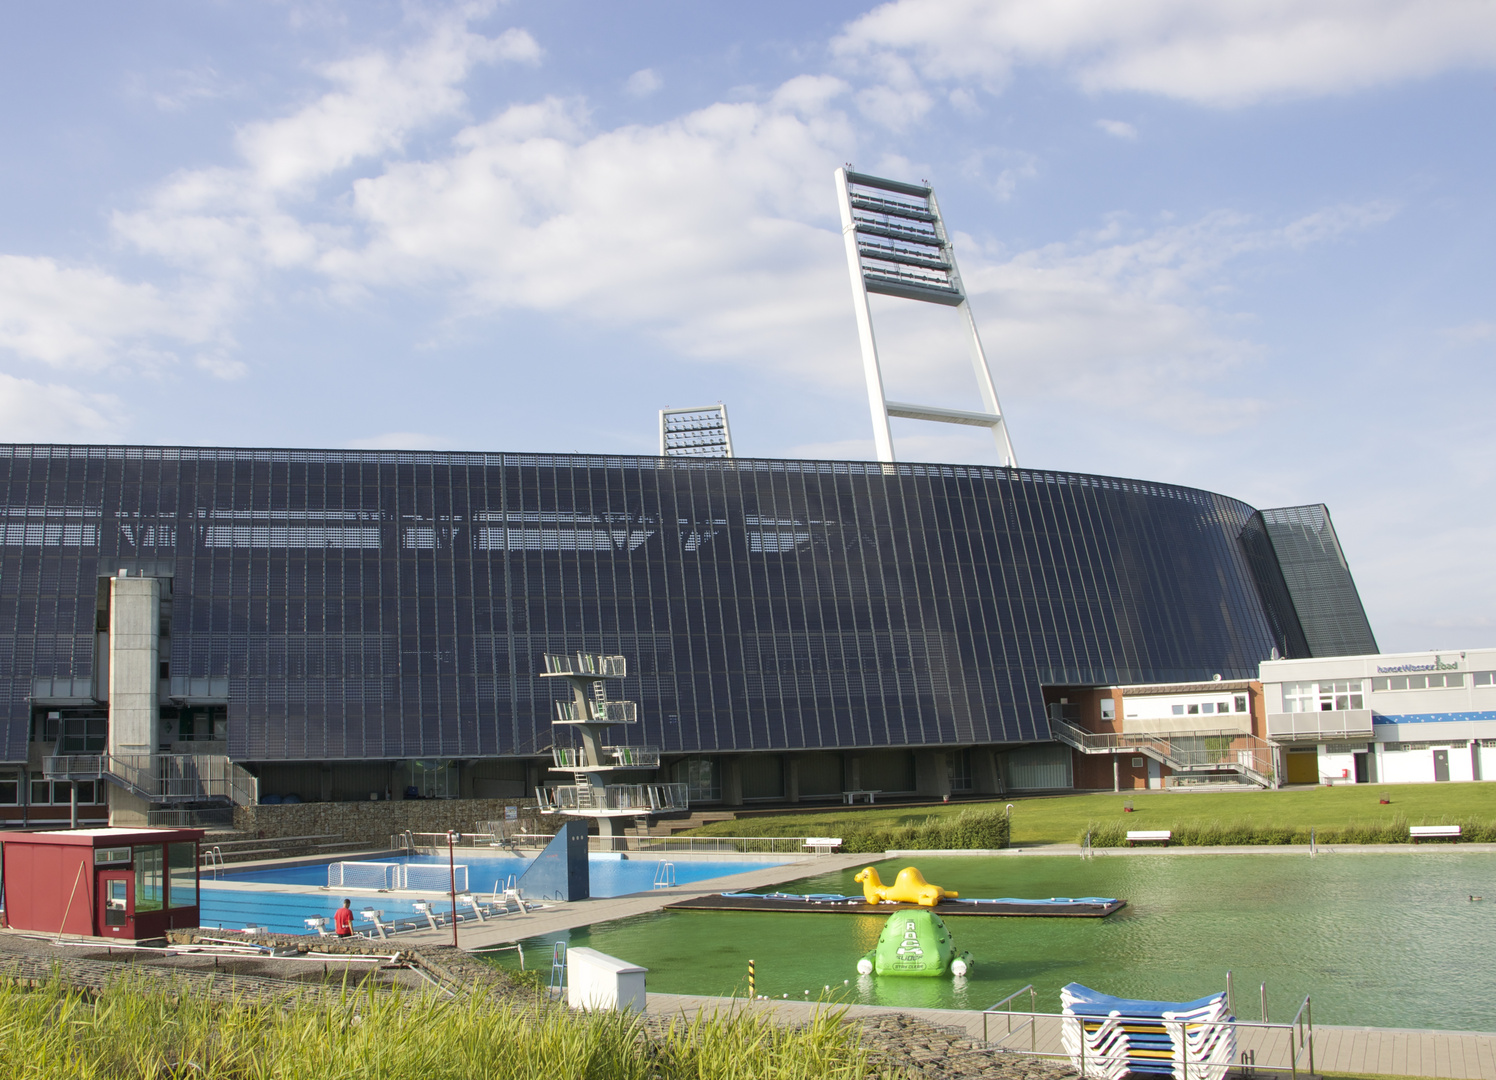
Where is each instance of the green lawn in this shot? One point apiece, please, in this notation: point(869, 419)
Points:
point(1062, 819)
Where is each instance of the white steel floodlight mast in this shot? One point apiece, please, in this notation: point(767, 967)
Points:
point(897, 246)
point(699, 432)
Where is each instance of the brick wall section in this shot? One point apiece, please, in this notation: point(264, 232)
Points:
point(373, 823)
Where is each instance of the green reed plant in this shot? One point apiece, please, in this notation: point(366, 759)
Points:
point(144, 1029)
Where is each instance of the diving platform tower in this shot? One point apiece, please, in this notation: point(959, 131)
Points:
point(593, 764)
point(897, 245)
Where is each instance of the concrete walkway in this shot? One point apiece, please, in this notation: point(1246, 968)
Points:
point(1360, 1051)
point(514, 927)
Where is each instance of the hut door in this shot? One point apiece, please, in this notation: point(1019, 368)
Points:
point(117, 903)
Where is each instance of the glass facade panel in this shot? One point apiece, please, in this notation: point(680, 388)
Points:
point(380, 605)
point(182, 866)
point(150, 878)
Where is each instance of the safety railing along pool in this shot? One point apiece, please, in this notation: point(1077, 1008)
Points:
point(431, 843)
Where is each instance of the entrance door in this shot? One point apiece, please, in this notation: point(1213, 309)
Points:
point(1363, 774)
point(1441, 766)
point(1302, 765)
point(117, 904)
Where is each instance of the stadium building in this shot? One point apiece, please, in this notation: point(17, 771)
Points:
point(344, 625)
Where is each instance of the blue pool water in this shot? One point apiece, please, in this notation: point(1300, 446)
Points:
point(286, 912)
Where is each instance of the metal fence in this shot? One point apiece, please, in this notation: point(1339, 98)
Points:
point(162, 777)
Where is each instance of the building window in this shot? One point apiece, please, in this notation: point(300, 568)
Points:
point(958, 767)
point(1423, 682)
point(1108, 708)
point(1194, 710)
point(1300, 697)
point(1241, 702)
point(1178, 710)
point(1208, 708)
point(1482, 678)
point(1323, 697)
point(701, 777)
point(150, 878)
point(10, 792)
point(182, 866)
point(1137, 763)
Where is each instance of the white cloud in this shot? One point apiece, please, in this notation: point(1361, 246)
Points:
point(1214, 52)
point(1471, 333)
point(1118, 129)
point(705, 229)
point(45, 412)
point(85, 318)
point(642, 83)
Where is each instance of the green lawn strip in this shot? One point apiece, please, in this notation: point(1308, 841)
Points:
point(1063, 819)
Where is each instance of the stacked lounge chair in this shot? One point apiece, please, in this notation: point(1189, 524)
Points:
point(1108, 1037)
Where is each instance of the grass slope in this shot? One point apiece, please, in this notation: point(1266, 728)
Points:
point(1063, 819)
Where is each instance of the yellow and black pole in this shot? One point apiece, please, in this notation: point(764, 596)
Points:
point(751, 995)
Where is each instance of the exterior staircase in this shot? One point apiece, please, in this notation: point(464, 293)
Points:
point(163, 779)
point(1184, 752)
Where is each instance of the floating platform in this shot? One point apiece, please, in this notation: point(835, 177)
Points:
point(1083, 907)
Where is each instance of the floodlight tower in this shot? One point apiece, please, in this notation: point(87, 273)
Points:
point(695, 432)
point(897, 245)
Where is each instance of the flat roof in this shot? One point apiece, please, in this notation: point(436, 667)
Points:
point(100, 837)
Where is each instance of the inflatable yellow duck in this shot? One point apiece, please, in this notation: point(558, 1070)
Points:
point(910, 887)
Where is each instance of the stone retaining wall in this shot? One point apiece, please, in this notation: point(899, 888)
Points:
point(373, 823)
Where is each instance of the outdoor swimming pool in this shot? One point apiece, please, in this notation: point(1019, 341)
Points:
point(286, 912)
point(1380, 939)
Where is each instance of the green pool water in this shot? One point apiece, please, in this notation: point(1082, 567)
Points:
point(1388, 940)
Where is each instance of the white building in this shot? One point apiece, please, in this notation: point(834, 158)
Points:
point(1388, 718)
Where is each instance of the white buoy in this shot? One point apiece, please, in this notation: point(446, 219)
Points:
point(958, 967)
point(864, 966)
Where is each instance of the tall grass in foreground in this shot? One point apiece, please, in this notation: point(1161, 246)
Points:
point(1249, 834)
point(140, 1029)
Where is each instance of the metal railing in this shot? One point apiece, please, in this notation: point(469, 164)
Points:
point(598, 712)
point(614, 757)
point(601, 667)
point(645, 798)
point(1182, 751)
point(1263, 1046)
point(723, 845)
point(161, 777)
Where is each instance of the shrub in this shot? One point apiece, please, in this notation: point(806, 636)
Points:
point(969, 830)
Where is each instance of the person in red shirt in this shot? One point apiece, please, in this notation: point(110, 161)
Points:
point(342, 922)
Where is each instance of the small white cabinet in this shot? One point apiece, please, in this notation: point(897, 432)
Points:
point(596, 980)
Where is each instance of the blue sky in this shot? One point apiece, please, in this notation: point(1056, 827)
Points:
point(1241, 246)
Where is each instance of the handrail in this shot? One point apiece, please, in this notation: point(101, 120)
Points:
point(1245, 752)
point(1033, 1005)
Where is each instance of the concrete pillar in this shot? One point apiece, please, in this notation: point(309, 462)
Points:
point(134, 702)
point(1116, 773)
point(792, 778)
point(931, 775)
point(134, 664)
point(732, 780)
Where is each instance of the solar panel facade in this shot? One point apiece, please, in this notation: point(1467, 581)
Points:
point(362, 605)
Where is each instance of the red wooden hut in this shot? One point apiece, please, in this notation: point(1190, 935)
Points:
point(123, 884)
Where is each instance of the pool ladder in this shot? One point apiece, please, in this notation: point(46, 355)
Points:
point(213, 860)
point(557, 983)
point(664, 876)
